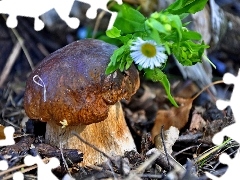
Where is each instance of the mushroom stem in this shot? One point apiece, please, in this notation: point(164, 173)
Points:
point(111, 136)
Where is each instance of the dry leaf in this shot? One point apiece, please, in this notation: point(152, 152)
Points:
point(2, 135)
point(197, 123)
point(177, 117)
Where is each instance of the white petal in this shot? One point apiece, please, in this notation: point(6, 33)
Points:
point(135, 48)
point(144, 61)
point(162, 57)
point(160, 48)
point(157, 63)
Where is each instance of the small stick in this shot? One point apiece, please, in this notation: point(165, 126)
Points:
point(20, 40)
point(64, 160)
point(96, 26)
point(164, 146)
point(22, 171)
point(99, 18)
point(143, 166)
point(205, 88)
point(11, 59)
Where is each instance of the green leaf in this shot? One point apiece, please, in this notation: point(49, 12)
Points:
point(118, 60)
point(177, 24)
point(125, 39)
point(187, 35)
point(113, 41)
point(129, 62)
point(156, 75)
point(122, 66)
point(129, 20)
point(111, 68)
point(189, 52)
point(113, 33)
point(114, 60)
point(154, 24)
point(186, 6)
point(153, 34)
point(117, 54)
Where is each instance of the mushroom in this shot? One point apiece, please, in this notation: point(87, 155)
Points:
point(71, 92)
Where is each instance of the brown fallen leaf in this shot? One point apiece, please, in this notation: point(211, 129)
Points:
point(197, 123)
point(176, 116)
point(2, 135)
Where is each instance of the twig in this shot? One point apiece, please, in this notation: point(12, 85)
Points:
point(143, 166)
point(152, 176)
point(11, 59)
point(12, 169)
point(185, 149)
point(164, 146)
point(20, 40)
point(96, 26)
point(21, 166)
point(107, 172)
point(64, 160)
point(22, 169)
point(99, 18)
point(111, 168)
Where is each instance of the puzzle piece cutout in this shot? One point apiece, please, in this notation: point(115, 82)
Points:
point(36, 8)
point(9, 140)
point(231, 130)
point(18, 176)
point(233, 167)
point(3, 165)
point(44, 171)
point(92, 11)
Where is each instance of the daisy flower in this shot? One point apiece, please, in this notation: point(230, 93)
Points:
point(147, 53)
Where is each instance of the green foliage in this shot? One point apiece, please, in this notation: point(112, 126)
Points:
point(156, 75)
point(186, 6)
point(166, 29)
point(129, 20)
point(120, 60)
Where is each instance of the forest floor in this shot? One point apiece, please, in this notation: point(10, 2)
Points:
point(191, 151)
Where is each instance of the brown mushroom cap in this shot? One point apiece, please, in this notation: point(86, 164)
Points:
point(71, 84)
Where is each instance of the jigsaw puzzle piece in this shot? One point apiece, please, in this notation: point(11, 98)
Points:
point(44, 170)
point(63, 8)
point(25, 8)
point(232, 171)
point(234, 103)
point(18, 176)
point(3, 165)
point(92, 11)
point(34, 9)
point(9, 140)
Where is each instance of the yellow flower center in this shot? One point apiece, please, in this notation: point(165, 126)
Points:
point(148, 50)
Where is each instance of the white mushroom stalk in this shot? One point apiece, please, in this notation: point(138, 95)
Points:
point(111, 136)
